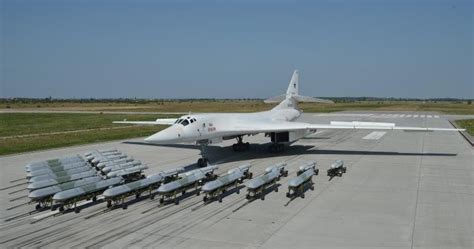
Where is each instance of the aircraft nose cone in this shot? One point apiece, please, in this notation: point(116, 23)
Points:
point(170, 134)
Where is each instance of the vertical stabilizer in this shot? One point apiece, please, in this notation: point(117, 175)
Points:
point(293, 87)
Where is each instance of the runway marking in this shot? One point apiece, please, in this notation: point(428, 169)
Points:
point(428, 116)
point(402, 115)
point(415, 116)
point(409, 116)
point(436, 116)
point(375, 135)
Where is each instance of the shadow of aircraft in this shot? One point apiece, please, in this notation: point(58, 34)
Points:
point(258, 151)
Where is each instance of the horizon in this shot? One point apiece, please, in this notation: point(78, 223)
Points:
point(239, 49)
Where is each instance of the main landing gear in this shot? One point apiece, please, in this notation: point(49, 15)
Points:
point(203, 161)
point(240, 146)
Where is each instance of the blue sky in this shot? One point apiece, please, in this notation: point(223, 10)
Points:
point(236, 49)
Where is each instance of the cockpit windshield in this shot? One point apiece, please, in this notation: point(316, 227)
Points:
point(185, 121)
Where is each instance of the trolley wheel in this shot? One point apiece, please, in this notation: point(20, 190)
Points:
point(176, 201)
point(302, 195)
point(220, 199)
point(344, 169)
point(162, 200)
point(288, 195)
point(94, 199)
point(198, 193)
point(312, 187)
point(339, 173)
point(61, 209)
point(184, 192)
point(137, 195)
point(250, 175)
point(38, 206)
point(152, 197)
point(276, 189)
point(286, 173)
point(247, 196)
point(316, 172)
point(124, 206)
point(262, 197)
point(109, 204)
point(238, 191)
point(77, 210)
point(205, 199)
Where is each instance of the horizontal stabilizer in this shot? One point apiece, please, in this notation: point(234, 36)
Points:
point(299, 98)
point(162, 121)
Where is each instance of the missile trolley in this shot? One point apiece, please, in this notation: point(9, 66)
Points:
point(116, 196)
point(120, 166)
point(43, 196)
point(188, 180)
point(217, 188)
point(69, 198)
point(296, 186)
point(337, 169)
point(257, 186)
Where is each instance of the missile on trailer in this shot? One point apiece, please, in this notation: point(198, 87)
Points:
point(49, 191)
point(304, 176)
point(53, 162)
point(108, 158)
point(58, 171)
point(188, 180)
point(56, 175)
point(120, 166)
point(89, 191)
point(272, 175)
point(337, 168)
point(99, 151)
point(219, 186)
point(38, 170)
point(51, 182)
point(127, 171)
point(307, 166)
point(114, 162)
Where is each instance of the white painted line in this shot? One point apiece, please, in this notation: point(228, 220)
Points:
point(402, 115)
point(422, 116)
point(409, 116)
point(415, 116)
point(436, 116)
point(375, 135)
point(429, 116)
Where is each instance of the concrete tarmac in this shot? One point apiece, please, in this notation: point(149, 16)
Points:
point(401, 190)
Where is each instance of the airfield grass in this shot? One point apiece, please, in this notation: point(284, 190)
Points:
point(22, 132)
point(467, 124)
point(184, 106)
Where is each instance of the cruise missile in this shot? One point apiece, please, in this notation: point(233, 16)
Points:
point(47, 170)
point(51, 182)
point(218, 187)
point(120, 166)
point(127, 171)
point(304, 175)
point(104, 154)
point(258, 185)
point(188, 180)
point(58, 171)
point(56, 175)
point(97, 160)
point(53, 162)
point(89, 191)
point(43, 195)
point(118, 194)
point(99, 152)
point(337, 169)
point(114, 162)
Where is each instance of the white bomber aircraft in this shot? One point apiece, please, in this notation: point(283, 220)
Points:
point(277, 123)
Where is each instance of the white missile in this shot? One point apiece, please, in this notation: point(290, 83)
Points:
point(51, 182)
point(120, 166)
point(114, 162)
point(127, 171)
point(220, 185)
point(53, 162)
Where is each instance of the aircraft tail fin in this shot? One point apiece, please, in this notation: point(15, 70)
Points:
point(292, 95)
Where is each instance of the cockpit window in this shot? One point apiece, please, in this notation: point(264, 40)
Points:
point(185, 122)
